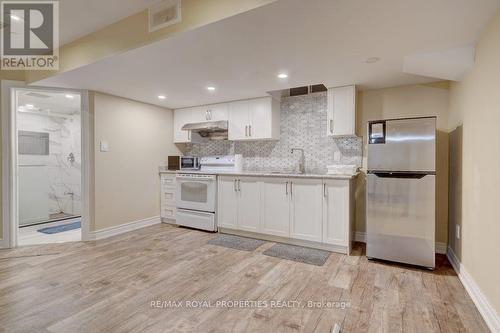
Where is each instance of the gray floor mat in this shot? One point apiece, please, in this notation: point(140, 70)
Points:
point(298, 253)
point(236, 242)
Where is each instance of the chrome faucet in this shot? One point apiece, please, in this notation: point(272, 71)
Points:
point(302, 162)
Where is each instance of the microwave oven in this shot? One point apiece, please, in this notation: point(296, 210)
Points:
point(190, 163)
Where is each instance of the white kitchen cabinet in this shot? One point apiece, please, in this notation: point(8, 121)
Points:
point(255, 119)
point(238, 120)
point(276, 207)
point(182, 117)
point(217, 112)
point(239, 203)
point(248, 204)
point(227, 202)
point(337, 212)
point(306, 209)
point(199, 114)
point(341, 111)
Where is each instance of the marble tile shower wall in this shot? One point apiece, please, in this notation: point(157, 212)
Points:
point(303, 125)
point(64, 175)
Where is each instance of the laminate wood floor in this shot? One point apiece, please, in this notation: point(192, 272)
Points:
point(109, 286)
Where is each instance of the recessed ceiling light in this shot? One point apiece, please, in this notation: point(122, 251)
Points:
point(15, 17)
point(372, 60)
point(69, 96)
point(210, 88)
point(282, 75)
point(162, 97)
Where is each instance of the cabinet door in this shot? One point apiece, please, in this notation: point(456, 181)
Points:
point(249, 204)
point(306, 209)
point(341, 111)
point(217, 112)
point(181, 117)
point(199, 114)
point(238, 120)
point(227, 202)
point(336, 212)
point(276, 206)
point(260, 113)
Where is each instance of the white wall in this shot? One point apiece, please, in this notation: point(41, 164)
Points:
point(140, 138)
point(475, 105)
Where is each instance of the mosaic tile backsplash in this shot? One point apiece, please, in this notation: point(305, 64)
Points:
point(303, 125)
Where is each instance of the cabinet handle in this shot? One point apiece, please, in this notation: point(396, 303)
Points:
point(235, 188)
point(206, 114)
point(189, 135)
point(291, 188)
point(249, 130)
point(246, 130)
point(286, 188)
point(331, 125)
point(324, 190)
point(239, 186)
point(210, 112)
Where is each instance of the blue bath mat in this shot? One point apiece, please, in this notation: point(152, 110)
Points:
point(61, 228)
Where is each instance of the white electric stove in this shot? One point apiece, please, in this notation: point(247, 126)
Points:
point(197, 192)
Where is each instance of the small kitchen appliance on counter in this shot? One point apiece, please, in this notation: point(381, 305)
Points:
point(190, 163)
point(174, 163)
point(197, 192)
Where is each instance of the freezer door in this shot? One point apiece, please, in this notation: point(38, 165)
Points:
point(402, 145)
point(401, 217)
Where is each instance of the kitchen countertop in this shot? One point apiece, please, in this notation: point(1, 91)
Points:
point(264, 174)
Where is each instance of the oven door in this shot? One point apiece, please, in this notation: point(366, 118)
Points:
point(196, 192)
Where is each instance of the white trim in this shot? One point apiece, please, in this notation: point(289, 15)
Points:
point(360, 236)
point(486, 310)
point(6, 110)
point(123, 228)
point(441, 247)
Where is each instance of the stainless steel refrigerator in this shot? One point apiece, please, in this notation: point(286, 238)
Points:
point(400, 190)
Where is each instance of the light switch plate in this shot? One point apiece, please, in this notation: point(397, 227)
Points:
point(104, 146)
point(457, 233)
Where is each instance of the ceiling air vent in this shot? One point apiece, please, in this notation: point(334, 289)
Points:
point(164, 14)
point(305, 90)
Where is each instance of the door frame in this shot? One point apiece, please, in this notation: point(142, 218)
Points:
point(10, 216)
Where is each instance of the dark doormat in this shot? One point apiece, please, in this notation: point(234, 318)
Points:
point(298, 253)
point(236, 242)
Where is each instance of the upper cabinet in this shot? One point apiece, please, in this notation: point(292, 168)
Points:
point(341, 111)
point(254, 119)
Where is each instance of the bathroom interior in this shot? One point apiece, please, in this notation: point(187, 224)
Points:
point(49, 166)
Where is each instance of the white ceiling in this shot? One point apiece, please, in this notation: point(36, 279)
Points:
point(78, 18)
point(314, 41)
point(49, 102)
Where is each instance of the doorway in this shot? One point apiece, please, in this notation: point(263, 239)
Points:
point(48, 163)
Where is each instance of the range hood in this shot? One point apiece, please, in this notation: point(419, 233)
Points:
point(213, 130)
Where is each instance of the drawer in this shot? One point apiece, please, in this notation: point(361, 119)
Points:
point(167, 180)
point(168, 212)
point(168, 196)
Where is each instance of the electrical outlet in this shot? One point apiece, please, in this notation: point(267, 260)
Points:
point(104, 146)
point(457, 231)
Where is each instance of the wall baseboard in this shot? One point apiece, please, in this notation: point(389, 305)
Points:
point(361, 237)
point(123, 228)
point(486, 310)
point(4, 243)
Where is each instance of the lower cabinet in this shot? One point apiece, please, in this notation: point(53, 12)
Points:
point(276, 207)
point(308, 210)
point(336, 212)
point(167, 197)
point(239, 203)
